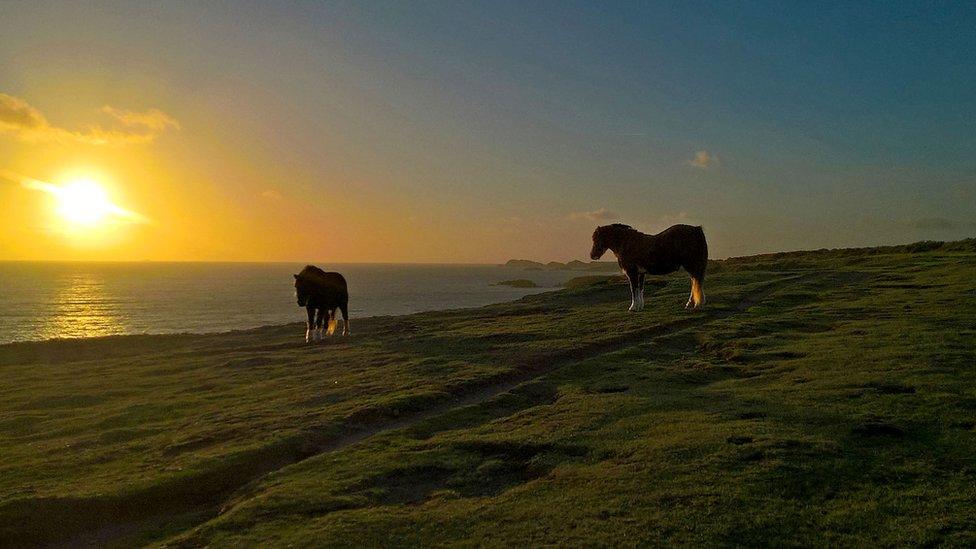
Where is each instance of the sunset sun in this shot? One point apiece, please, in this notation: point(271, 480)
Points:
point(83, 202)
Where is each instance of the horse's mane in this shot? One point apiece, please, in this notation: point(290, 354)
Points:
point(311, 270)
point(618, 229)
point(614, 234)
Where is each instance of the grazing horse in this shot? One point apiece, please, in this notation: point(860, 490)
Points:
point(639, 254)
point(322, 293)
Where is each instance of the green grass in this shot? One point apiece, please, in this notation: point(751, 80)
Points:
point(821, 398)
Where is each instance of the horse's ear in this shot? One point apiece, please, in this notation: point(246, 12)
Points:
point(296, 277)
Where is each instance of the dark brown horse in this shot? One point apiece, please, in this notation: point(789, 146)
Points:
point(321, 293)
point(639, 254)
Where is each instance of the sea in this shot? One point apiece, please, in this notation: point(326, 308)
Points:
point(45, 300)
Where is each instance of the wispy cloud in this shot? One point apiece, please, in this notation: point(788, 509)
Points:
point(271, 194)
point(153, 119)
point(17, 114)
point(703, 160)
point(22, 121)
point(602, 214)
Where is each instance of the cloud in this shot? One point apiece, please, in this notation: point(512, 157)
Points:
point(17, 114)
point(22, 121)
point(153, 119)
point(271, 194)
point(703, 160)
point(602, 214)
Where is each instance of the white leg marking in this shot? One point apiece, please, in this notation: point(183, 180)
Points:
point(308, 335)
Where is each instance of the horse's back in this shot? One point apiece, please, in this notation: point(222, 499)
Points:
point(335, 284)
point(685, 243)
point(326, 283)
point(681, 232)
point(335, 280)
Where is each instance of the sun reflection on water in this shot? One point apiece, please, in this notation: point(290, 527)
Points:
point(82, 310)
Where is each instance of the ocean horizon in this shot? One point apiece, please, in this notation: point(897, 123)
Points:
point(42, 300)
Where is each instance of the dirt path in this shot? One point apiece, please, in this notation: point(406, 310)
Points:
point(366, 425)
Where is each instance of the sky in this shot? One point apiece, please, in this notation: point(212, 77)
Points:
point(478, 132)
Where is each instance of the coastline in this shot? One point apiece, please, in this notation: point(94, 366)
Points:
point(69, 301)
point(297, 325)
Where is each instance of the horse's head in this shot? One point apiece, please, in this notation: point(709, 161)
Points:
point(301, 290)
point(608, 237)
point(600, 244)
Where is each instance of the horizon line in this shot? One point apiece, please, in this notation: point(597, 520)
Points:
point(306, 262)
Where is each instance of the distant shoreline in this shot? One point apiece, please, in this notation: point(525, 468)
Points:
point(574, 265)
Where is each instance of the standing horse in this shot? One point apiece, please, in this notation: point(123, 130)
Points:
point(322, 293)
point(639, 254)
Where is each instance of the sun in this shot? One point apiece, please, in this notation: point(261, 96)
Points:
point(83, 202)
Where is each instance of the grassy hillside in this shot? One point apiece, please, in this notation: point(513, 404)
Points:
point(822, 397)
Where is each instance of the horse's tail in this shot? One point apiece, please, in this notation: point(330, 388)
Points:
point(698, 279)
point(334, 321)
point(704, 250)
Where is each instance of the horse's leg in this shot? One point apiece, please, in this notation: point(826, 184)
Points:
point(344, 310)
point(323, 313)
point(310, 323)
point(330, 322)
point(640, 288)
point(632, 276)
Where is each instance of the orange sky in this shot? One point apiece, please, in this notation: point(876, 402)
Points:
point(211, 192)
point(206, 196)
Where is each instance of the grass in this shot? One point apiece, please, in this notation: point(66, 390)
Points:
point(822, 398)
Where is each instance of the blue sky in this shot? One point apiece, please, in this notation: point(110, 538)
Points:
point(525, 124)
